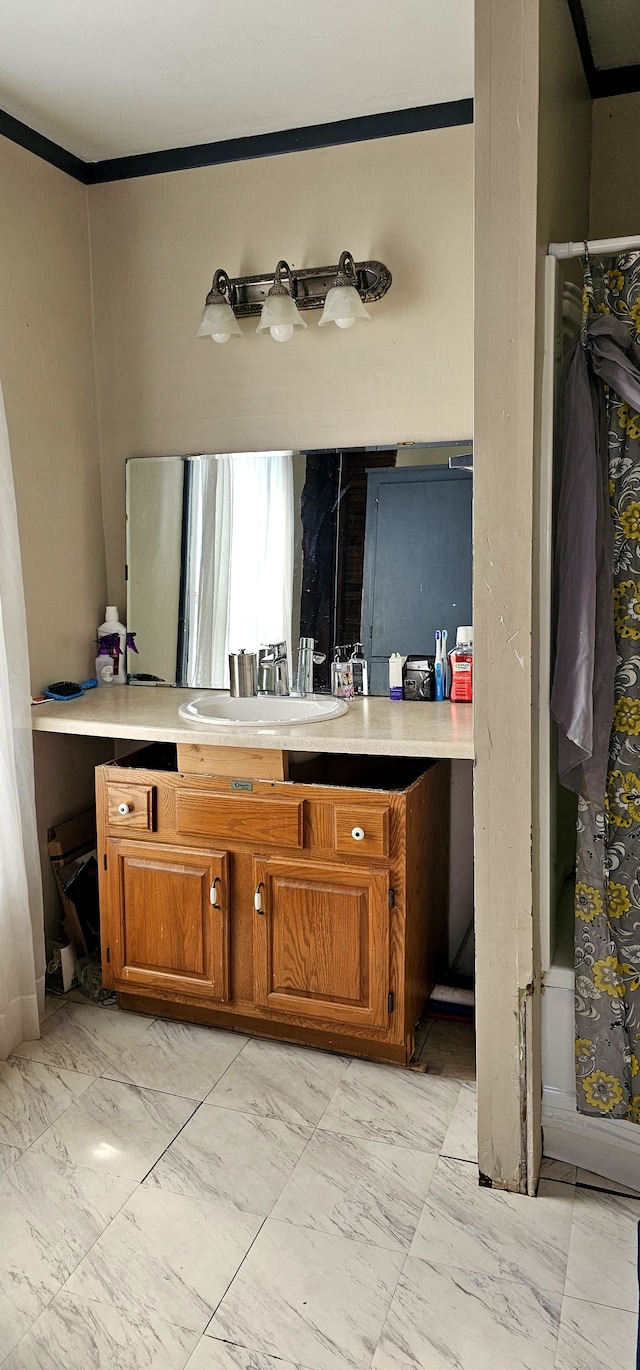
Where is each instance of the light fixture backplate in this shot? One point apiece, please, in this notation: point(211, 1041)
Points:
point(309, 287)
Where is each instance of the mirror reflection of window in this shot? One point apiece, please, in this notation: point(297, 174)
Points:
point(240, 549)
point(239, 562)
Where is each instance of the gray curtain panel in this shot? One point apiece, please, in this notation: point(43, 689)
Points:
point(596, 685)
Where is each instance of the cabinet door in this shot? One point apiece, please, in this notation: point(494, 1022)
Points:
point(167, 922)
point(321, 942)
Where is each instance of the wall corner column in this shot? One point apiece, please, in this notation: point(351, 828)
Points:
point(506, 141)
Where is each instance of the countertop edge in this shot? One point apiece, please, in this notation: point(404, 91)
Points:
point(363, 737)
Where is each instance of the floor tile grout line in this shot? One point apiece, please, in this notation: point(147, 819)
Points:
point(385, 1141)
point(48, 1065)
point(235, 1274)
point(522, 1281)
point(408, 1256)
point(228, 1067)
point(153, 1089)
point(366, 1242)
point(224, 1341)
point(284, 1223)
point(23, 1152)
point(591, 1303)
point(592, 1188)
point(335, 1091)
point(609, 1193)
point(173, 1139)
point(79, 1262)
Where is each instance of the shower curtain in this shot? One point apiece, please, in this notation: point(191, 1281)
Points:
point(596, 687)
point(21, 916)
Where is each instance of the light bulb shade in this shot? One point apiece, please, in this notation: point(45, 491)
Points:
point(343, 302)
point(218, 318)
point(279, 309)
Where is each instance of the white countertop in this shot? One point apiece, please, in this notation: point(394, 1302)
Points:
point(373, 726)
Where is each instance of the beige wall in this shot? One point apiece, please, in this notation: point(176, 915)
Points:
point(529, 99)
point(564, 131)
point(615, 170)
point(47, 373)
point(156, 242)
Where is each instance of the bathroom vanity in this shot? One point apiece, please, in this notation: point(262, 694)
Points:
point(313, 908)
point(246, 883)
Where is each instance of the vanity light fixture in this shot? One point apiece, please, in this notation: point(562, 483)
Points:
point(279, 313)
point(343, 304)
point(341, 291)
point(218, 319)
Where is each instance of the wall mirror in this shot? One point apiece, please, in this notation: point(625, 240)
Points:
point(235, 550)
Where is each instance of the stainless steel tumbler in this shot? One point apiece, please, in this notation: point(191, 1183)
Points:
point(243, 674)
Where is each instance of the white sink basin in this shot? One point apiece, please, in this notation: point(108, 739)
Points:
point(262, 711)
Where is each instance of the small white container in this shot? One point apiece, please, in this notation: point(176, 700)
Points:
point(396, 662)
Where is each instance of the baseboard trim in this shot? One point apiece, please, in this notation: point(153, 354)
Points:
point(607, 1148)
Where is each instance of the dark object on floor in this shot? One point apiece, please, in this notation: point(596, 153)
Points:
point(69, 845)
point(442, 1011)
point(82, 891)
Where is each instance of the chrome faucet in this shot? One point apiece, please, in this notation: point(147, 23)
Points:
point(307, 659)
point(273, 669)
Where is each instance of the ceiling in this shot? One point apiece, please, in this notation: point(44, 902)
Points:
point(613, 28)
point(112, 78)
point(608, 33)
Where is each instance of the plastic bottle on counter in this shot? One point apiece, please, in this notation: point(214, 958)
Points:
point(104, 662)
point(396, 663)
point(462, 666)
point(359, 670)
point(110, 628)
point(342, 674)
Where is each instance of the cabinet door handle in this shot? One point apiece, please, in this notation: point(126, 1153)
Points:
point(124, 808)
point(357, 834)
point(213, 893)
point(257, 898)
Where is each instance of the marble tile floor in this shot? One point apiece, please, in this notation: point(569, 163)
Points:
point(179, 1198)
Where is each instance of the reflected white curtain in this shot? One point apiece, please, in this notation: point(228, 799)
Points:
point(22, 957)
point(240, 559)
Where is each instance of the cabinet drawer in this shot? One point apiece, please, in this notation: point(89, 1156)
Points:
point(361, 831)
point(130, 806)
point(241, 817)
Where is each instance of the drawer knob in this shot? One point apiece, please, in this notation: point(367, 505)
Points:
point(357, 834)
point(124, 808)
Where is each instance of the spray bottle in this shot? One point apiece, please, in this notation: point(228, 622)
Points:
point(117, 633)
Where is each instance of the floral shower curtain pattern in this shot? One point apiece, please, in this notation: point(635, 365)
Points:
point(607, 904)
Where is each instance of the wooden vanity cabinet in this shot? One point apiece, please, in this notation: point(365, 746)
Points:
point(312, 910)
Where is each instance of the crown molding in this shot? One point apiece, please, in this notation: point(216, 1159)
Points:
point(393, 124)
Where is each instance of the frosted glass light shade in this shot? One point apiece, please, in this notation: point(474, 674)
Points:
point(280, 315)
point(343, 306)
point(218, 322)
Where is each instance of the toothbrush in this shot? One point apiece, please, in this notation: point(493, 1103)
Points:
point(445, 665)
point(439, 669)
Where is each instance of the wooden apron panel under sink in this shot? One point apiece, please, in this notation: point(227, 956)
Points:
point(243, 817)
